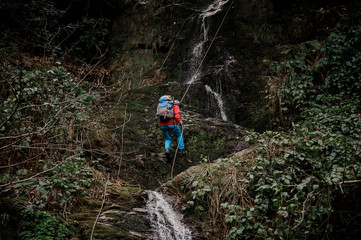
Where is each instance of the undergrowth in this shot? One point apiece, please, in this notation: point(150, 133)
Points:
point(296, 187)
point(46, 116)
point(41, 226)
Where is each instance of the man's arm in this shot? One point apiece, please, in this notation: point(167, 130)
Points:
point(177, 115)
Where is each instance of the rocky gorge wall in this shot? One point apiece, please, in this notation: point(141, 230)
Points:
point(151, 46)
point(151, 53)
point(153, 42)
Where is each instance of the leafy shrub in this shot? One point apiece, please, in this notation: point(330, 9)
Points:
point(94, 32)
point(322, 72)
point(290, 191)
point(61, 187)
point(52, 28)
point(41, 226)
point(44, 111)
point(297, 175)
point(38, 94)
point(295, 186)
point(217, 195)
point(343, 49)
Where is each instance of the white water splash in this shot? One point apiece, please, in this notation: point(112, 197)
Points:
point(166, 223)
point(226, 66)
point(213, 8)
point(219, 100)
point(198, 49)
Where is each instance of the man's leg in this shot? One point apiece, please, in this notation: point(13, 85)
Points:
point(178, 133)
point(167, 136)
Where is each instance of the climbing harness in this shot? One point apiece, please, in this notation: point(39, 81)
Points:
point(195, 74)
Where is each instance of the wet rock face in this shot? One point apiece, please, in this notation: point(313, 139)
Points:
point(144, 33)
point(123, 215)
point(239, 62)
point(205, 138)
point(142, 36)
point(144, 161)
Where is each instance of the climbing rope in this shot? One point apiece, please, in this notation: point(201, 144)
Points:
point(191, 82)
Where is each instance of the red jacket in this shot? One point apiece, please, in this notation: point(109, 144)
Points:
point(176, 116)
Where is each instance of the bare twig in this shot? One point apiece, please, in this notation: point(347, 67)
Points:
point(92, 67)
point(100, 210)
point(36, 175)
point(351, 181)
point(16, 96)
point(68, 35)
point(19, 163)
point(303, 209)
point(122, 147)
point(49, 41)
point(112, 129)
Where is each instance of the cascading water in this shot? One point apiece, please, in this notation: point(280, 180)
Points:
point(198, 49)
point(194, 71)
point(165, 222)
point(219, 100)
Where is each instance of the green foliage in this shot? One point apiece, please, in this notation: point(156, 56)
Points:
point(294, 185)
point(41, 226)
point(242, 221)
point(47, 106)
point(343, 49)
point(58, 189)
point(39, 19)
point(323, 72)
point(298, 174)
point(199, 189)
point(216, 195)
point(64, 185)
point(52, 29)
point(43, 95)
point(94, 32)
point(298, 83)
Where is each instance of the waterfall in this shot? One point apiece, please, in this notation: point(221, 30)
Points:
point(165, 222)
point(198, 49)
point(219, 100)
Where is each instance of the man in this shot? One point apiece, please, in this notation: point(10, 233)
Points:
point(170, 120)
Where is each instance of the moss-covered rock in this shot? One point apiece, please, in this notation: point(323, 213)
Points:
point(142, 143)
point(121, 216)
point(201, 190)
point(10, 214)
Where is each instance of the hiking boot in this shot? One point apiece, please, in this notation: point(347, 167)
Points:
point(167, 155)
point(183, 152)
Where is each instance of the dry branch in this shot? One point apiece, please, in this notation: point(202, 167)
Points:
point(36, 175)
point(100, 210)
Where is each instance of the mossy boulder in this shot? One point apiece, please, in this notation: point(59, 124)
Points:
point(10, 213)
point(121, 216)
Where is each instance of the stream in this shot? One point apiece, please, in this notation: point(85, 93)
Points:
point(166, 223)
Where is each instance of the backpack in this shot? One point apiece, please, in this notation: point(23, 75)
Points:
point(165, 108)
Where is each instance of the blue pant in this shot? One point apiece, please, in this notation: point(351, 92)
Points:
point(166, 130)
